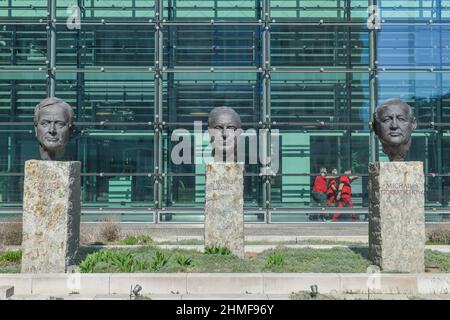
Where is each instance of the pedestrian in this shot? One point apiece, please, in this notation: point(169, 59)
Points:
point(344, 194)
point(319, 193)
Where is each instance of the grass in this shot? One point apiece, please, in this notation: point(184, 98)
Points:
point(440, 260)
point(10, 261)
point(136, 240)
point(304, 295)
point(153, 259)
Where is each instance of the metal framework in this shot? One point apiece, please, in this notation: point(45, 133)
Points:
point(161, 70)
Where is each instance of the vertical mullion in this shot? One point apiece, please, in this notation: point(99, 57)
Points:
point(265, 114)
point(157, 140)
point(439, 144)
point(373, 86)
point(51, 47)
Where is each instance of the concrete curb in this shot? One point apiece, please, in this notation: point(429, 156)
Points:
point(226, 283)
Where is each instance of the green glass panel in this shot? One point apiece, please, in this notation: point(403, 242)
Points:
point(189, 96)
point(215, 46)
point(319, 46)
point(319, 9)
point(23, 45)
point(212, 9)
point(315, 97)
point(106, 46)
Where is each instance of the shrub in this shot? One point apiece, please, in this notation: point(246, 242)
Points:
point(11, 233)
point(110, 231)
point(183, 260)
point(439, 236)
point(217, 250)
point(159, 260)
point(275, 259)
point(122, 261)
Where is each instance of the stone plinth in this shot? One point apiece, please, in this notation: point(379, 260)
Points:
point(51, 215)
point(396, 216)
point(224, 206)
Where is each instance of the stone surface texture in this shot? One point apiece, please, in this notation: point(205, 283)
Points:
point(396, 216)
point(224, 206)
point(51, 215)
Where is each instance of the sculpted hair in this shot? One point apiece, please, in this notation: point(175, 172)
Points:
point(51, 102)
point(387, 103)
point(219, 110)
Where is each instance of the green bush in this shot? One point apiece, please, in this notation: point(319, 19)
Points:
point(217, 250)
point(122, 261)
point(275, 259)
point(11, 257)
point(183, 260)
point(159, 260)
point(134, 240)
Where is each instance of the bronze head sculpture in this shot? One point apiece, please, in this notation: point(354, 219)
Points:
point(393, 122)
point(224, 126)
point(53, 124)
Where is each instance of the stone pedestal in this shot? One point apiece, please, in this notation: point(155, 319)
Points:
point(51, 215)
point(224, 206)
point(396, 216)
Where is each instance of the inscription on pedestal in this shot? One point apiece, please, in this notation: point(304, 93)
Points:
point(396, 216)
point(224, 213)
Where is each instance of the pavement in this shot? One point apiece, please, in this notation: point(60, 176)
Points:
point(234, 297)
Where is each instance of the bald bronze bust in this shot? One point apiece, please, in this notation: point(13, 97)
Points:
point(53, 124)
point(393, 123)
point(224, 127)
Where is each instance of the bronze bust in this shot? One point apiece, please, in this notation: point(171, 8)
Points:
point(393, 122)
point(224, 127)
point(53, 124)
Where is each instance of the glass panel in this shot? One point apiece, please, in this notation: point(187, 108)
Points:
point(109, 96)
point(315, 97)
point(189, 97)
point(212, 9)
point(414, 46)
point(420, 90)
point(411, 9)
point(185, 180)
point(106, 46)
point(112, 9)
point(20, 92)
point(305, 152)
point(319, 46)
point(23, 8)
point(23, 45)
point(106, 151)
point(327, 9)
point(216, 46)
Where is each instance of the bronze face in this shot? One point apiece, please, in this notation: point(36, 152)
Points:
point(224, 126)
point(394, 123)
point(53, 125)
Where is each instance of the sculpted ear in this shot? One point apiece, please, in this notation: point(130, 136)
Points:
point(414, 124)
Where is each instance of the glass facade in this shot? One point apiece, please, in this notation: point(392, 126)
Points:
point(307, 74)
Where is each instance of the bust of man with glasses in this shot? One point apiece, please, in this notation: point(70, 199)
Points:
point(53, 124)
point(393, 123)
point(224, 127)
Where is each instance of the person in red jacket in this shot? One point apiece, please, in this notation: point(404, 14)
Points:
point(332, 188)
point(344, 194)
point(319, 193)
